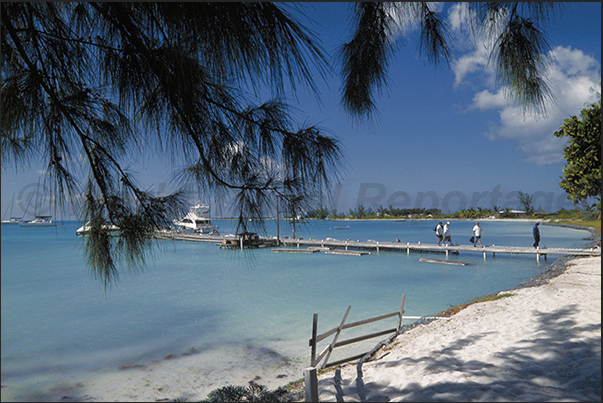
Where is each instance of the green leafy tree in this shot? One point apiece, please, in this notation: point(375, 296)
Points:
point(582, 172)
point(526, 200)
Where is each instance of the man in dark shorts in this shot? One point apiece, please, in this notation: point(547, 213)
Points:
point(536, 233)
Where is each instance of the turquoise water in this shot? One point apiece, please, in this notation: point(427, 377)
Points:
point(256, 307)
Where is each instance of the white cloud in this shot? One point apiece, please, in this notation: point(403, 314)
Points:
point(457, 16)
point(487, 100)
point(405, 18)
point(572, 75)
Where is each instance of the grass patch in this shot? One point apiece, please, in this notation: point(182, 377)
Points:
point(595, 224)
point(456, 309)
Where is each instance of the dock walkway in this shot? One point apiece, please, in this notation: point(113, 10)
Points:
point(434, 248)
point(344, 245)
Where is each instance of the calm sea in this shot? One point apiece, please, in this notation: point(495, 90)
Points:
point(251, 309)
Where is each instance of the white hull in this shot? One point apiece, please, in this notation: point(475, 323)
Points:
point(37, 224)
point(11, 222)
point(84, 229)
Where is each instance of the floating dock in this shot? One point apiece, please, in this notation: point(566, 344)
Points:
point(347, 252)
point(444, 262)
point(295, 250)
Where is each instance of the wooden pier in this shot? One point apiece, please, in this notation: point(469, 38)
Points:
point(434, 248)
point(183, 236)
point(239, 241)
point(336, 246)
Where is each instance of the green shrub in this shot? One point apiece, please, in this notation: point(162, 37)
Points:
point(253, 393)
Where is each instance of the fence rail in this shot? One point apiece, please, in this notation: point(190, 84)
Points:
point(310, 374)
point(315, 361)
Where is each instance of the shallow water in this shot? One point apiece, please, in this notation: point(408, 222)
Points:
point(196, 302)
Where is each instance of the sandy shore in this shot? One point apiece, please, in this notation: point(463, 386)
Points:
point(541, 344)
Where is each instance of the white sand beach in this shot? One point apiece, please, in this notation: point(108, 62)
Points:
point(541, 344)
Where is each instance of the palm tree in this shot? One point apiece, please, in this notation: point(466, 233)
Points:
point(98, 81)
point(517, 47)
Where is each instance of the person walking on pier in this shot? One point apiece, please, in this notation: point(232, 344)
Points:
point(477, 234)
point(439, 232)
point(447, 233)
point(536, 233)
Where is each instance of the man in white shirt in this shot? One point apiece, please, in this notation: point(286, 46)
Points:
point(439, 233)
point(477, 234)
point(447, 233)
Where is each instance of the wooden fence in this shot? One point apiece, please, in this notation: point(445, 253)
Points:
point(315, 361)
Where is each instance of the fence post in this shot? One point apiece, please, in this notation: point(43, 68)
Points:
point(314, 329)
point(401, 312)
point(311, 384)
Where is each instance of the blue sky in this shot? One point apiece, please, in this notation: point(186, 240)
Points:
point(445, 137)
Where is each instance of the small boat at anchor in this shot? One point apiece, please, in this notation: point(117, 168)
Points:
point(12, 219)
point(39, 221)
point(85, 229)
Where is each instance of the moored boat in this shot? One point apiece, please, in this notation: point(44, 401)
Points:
point(12, 219)
point(39, 221)
point(196, 220)
point(85, 229)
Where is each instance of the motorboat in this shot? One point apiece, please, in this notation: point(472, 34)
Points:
point(39, 221)
point(196, 220)
point(12, 220)
point(85, 229)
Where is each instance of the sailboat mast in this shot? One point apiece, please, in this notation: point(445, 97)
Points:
point(10, 207)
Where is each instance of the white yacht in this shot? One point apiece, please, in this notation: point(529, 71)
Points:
point(197, 220)
point(84, 229)
point(39, 221)
point(12, 219)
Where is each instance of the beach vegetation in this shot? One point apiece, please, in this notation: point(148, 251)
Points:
point(252, 393)
point(581, 177)
point(527, 202)
point(363, 212)
point(457, 308)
